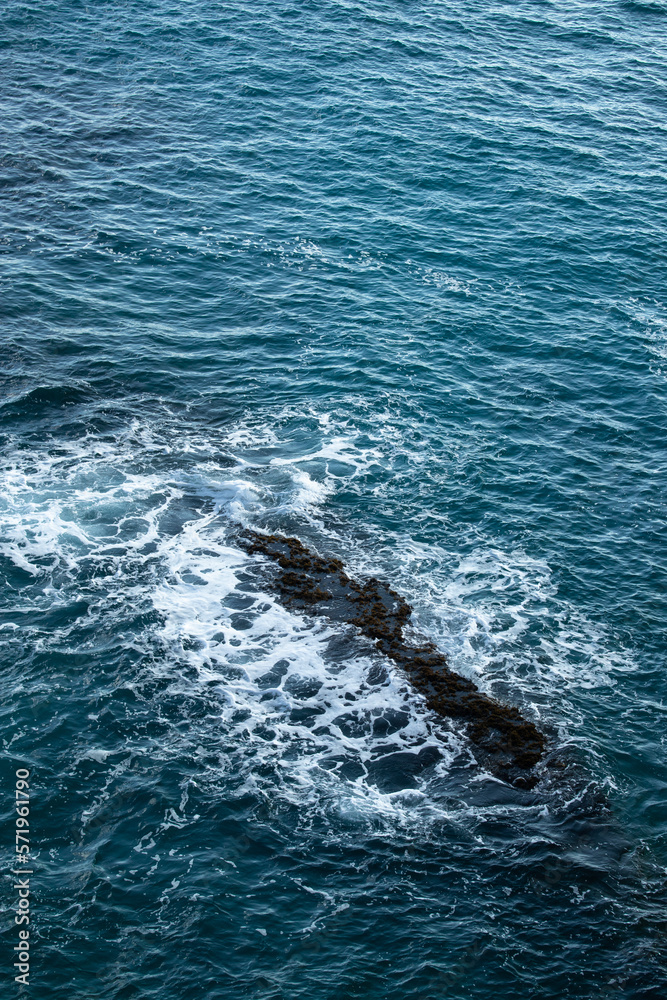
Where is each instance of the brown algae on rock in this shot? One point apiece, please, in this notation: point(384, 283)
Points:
point(504, 742)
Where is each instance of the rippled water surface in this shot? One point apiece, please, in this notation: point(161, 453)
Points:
point(389, 277)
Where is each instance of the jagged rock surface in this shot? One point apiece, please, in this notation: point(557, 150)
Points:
point(504, 741)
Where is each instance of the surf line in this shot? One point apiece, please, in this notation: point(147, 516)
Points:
point(503, 740)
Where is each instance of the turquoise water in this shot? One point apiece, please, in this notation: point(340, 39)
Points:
point(391, 278)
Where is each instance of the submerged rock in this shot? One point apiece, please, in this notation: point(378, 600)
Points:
point(504, 741)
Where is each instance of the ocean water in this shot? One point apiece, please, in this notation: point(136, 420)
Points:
point(389, 277)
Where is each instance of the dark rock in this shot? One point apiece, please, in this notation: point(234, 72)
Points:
point(504, 741)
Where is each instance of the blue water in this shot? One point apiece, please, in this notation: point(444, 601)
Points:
point(389, 277)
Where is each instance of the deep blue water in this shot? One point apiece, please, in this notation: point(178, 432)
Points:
point(389, 277)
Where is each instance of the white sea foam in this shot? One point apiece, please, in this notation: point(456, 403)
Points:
point(495, 612)
point(86, 506)
point(151, 513)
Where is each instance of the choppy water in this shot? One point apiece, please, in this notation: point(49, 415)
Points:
point(390, 277)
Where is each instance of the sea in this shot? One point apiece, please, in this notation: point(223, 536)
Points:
point(388, 277)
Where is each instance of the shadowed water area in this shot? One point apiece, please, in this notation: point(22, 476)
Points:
point(332, 498)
